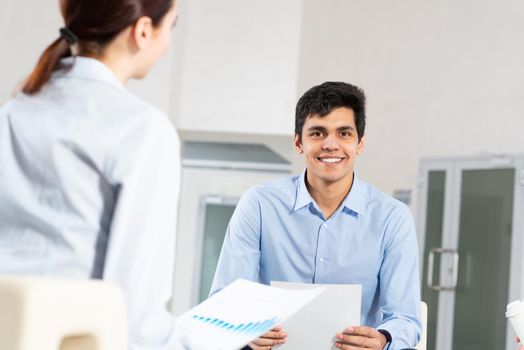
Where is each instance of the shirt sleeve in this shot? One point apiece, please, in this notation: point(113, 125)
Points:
point(144, 166)
point(240, 255)
point(399, 281)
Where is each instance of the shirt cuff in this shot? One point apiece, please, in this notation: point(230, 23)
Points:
point(386, 334)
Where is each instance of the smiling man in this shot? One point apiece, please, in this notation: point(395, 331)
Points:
point(327, 226)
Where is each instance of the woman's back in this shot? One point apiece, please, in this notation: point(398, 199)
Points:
point(65, 153)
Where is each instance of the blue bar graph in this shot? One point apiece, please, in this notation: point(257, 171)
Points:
point(242, 328)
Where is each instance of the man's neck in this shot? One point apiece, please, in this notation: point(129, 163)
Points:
point(329, 195)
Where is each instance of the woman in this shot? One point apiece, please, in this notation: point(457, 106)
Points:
point(89, 173)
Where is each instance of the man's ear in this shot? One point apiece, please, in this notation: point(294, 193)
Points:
point(298, 144)
point(142, 32)
point(361, 145)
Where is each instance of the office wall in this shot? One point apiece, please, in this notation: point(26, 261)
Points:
point(24, 33)
point(443, 78)
point(237, 65)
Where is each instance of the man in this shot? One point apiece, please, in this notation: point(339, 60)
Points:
point(328, 226)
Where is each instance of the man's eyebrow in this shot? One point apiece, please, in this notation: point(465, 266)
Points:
point(340, 128)
point(346, 127)
point(316, 128)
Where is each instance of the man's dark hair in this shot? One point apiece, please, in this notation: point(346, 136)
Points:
point(324, 98)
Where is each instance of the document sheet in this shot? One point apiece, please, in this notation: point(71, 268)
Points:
point(239, 313)
point(315, 326)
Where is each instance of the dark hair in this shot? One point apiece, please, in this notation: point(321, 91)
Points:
point(94, 23)
point(323, 99)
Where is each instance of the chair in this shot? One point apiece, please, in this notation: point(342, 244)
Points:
point(424, 320)
point(53, 314)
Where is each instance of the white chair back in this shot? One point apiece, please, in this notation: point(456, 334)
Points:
point(46, 313)
point(424, 320)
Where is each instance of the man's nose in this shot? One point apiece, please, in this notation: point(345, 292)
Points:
point(330, 143)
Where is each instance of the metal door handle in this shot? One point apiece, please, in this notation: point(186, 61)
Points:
point(431, 258)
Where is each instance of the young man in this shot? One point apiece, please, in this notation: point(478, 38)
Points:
point(328, 226)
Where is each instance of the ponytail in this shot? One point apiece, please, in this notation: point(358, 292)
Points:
point(46, 65)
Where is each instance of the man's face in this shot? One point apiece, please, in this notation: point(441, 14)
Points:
point(330, 145)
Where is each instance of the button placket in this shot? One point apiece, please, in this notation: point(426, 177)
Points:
point(323, 246)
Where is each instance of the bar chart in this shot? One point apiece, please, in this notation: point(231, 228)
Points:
point(242, 328)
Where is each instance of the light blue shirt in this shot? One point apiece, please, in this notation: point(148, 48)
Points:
point(89, 181)
point(278, 232)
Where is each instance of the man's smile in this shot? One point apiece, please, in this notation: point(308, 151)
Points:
point(330, 159)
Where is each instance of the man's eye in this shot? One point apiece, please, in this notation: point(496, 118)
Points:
point(345, 134)
point(316, 134)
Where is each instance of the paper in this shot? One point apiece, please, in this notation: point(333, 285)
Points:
point(238, 314)
point(315, 326)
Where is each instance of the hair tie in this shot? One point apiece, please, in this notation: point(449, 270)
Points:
point(68, 35)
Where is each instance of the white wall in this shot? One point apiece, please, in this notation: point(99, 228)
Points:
point(442, 77)
point(237, 66)
point(25, 31)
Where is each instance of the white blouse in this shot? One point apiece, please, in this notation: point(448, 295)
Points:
point(89, 184)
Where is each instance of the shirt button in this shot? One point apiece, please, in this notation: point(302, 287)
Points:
point(325, 225)
point(321, 259)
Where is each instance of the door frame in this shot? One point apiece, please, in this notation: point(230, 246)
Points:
point(453, 167)
point(204, 200)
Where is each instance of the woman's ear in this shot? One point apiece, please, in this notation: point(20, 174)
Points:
point(142, 32)
point(62, 7)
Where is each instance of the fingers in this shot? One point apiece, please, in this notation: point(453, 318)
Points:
point(274, 337)
point(350, 342)
point(362, 331)
point(265, 343)
point(275, 333)
point(257, 347)
point(359, 338)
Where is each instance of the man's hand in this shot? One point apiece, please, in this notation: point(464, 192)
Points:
point(274, 337)
point(354, 338)
point(517, 340)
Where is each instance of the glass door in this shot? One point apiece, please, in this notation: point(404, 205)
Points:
point(470, 237)
point(484, 242)
point(436, 183)
point(214, 215)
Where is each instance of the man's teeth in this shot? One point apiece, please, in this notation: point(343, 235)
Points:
point(330, 160)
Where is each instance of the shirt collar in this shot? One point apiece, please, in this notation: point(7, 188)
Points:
point(89, 69)
point(303, 197)
point(355, 201)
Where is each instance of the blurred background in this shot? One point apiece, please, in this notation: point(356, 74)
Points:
point(445, 87)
